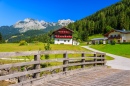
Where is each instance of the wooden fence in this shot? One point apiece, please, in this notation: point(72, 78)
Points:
point(35, 73)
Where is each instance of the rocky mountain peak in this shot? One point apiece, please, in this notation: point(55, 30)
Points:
point(32, 24)
point(65, 22)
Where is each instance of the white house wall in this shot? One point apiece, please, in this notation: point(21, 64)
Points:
point(124, 36)
point(127, 37)
point(62, 41)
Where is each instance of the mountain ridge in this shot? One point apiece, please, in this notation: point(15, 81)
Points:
point(32, 24)
point(30, 27)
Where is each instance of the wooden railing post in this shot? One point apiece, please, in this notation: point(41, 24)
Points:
point(22, 78)
point(83, 60)
point(95, 59)
point(103, 56)
point(65, 62)
point(36, 66)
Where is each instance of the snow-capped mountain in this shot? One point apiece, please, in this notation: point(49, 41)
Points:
point(32, 24)
point(65, 22)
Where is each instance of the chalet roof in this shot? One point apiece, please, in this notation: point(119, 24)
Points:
point(63, 28)
point(121, 31)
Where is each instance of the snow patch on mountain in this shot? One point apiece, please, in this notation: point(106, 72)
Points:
point(65, 22)
point(32, 24)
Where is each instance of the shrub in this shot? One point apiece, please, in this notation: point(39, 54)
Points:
point(47, 47)
point(22, 42)
point(100, 42)
point(113, 42)
point(125, 43)
point(36, 42)
point(52, 41)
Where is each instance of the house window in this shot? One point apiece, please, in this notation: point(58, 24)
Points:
point(58, 40)
point(124, 40)
point(64, 40)
point(68, 40)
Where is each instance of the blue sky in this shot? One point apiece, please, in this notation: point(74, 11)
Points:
point(12, 11)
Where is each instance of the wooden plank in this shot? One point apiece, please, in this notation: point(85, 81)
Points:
point(64, 51)
point(43, 69)
point(14, 54)
point(28, 72)
point(85, 63)
point(18, 64)
point(42, 61)
point(99, 53)
point(27, 63)
point(27, 53)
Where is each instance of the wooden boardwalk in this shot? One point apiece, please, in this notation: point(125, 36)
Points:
point(99, 76)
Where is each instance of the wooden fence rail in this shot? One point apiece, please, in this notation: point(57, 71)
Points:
point(96, 59)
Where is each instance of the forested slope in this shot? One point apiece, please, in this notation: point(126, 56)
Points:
point(116, 16)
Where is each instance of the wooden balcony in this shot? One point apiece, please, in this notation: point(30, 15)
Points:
point(115, 37)
point(58, 36)
point(64, 32)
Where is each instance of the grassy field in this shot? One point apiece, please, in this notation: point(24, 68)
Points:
point(10, 47)
point(118, 49)
point(95, 36)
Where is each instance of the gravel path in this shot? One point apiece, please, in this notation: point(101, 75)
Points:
point(118, 63)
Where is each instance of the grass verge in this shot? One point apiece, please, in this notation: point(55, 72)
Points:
point(118, 49)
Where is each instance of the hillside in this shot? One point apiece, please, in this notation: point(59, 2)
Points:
point(116, 16)
point(30, 35)
point(28, 27)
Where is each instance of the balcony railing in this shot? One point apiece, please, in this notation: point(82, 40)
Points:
point(64, 32)
point(58, 36)
point(115, 37)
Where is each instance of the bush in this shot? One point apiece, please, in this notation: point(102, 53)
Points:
point(113, 42)
point(23, 42)
point(47, 47)
point(52, 41)
point(36, 42)
point(100, 42)
point(125, 43)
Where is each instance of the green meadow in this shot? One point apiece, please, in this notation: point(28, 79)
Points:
point(12, 47)
point(96, 36)
point(117, 49)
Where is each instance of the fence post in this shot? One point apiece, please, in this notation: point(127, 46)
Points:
point(103, 56)
point(95, 59)
point(36, 66)
point(83, 60)
point(65, 62)
point(22, 78)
